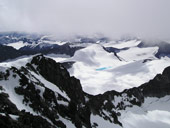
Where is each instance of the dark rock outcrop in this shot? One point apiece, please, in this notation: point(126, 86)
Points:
point(7, 52)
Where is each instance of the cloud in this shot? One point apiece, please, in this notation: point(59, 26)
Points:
point(114, 18)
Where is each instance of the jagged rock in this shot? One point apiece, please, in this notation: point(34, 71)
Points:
point(159, 86)
point(57, 74)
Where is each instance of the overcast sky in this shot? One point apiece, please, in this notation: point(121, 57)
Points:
point(114, 18)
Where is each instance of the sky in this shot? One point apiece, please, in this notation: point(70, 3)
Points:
point(113, 18)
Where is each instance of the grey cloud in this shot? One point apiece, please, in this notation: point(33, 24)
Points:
point(114, 18)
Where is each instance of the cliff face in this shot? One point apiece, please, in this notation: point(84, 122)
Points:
point(43, 94)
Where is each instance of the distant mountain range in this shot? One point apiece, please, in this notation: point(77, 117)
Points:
point(30, 44)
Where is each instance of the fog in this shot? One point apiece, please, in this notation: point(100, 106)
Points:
point(113, 18)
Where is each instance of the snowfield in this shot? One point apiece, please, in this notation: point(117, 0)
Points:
point(154, 113)
point(102, 123)
point(18, 45)
point(100, 71)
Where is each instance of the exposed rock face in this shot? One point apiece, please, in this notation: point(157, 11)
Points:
point(58, 75)
point(43, 94)
point(68, 65)
point(159, 86)
point(7, 52)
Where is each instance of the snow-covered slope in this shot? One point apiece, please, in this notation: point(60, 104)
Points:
point(100, 71)
point(18, 62)
point(136, 53)
point(154, 113)
point(89, 62)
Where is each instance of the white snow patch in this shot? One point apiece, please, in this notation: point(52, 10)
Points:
point(58, 57)
point(18, 62)
point(67, 122)
point(14, 117)
point(18, 45)
point(135, 53)
point(154, 113)
point(102, 123)
point(62, 102)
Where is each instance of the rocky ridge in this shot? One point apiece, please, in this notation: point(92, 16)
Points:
point(43, 94)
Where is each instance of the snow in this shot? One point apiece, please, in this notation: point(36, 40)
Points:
point(102, 123)
point(14, 117)
point(50, 41)
point(123, 98)
point(136, 53)
point(9, 86)
point(94, 55)
point(153, 103)
point(58, 43)
point(58, 57)
point(123, 44)
point(87, 61)
point(18, 45)
point(100, 71)
point(154, 113)
point(23, 60)
point(67, 122)
point(80, 45)
point(18, 62)
point(109, 44)
point(50, 85)
point(153, 119)
point(42, 89)
point(86, 99)
point(117, 100)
